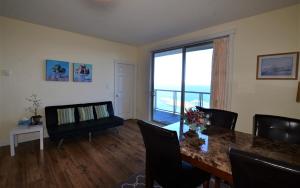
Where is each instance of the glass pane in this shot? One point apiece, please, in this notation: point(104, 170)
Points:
point(167, 86)
point(198, 76)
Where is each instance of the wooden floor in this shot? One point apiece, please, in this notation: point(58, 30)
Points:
point(108, 160)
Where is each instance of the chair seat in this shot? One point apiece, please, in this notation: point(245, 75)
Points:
point(192, 176)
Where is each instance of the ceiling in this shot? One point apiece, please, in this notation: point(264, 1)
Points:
point(135, 21)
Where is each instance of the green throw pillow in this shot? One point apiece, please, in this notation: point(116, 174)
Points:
point(86, 113)
point(101, 111)
point(65, 116)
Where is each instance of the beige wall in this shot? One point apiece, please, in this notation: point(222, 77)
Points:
point(272, 32)
point(298, 30)
point(1, 60)
point(26, 46)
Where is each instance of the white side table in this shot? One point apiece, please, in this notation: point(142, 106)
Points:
point(24, 130)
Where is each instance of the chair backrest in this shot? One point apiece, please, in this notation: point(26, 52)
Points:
point(253, 171)
point(221, 118)
point(277, 128)
point(162, 154)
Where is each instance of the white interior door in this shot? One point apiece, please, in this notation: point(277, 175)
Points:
point(124, 90)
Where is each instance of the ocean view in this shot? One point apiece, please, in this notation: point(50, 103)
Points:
point(165, 99)
point(168, 79)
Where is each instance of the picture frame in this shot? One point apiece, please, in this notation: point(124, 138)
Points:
point(82, 72)
point(280, 66)
point(57, 70)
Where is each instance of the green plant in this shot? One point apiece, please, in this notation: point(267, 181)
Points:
point(36, 104)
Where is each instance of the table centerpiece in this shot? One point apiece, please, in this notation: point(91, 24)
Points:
point(196, 119)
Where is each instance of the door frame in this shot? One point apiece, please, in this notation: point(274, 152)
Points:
point(133, 105)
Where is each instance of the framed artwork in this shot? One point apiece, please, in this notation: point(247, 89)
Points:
point(57, 70)
point(283, 66)
point(82, 72)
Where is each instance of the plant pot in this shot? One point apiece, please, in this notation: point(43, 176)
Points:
point(36, 120)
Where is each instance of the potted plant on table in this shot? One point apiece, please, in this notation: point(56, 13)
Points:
point(36, 104)
point(195, 118)
point(196, 121)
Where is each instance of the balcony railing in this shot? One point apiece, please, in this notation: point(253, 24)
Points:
point(173, 105)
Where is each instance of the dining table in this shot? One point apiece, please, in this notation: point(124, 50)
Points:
point(208, 149)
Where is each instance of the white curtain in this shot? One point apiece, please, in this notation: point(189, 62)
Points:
point(219, 77)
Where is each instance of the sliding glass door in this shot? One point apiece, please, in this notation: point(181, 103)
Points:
point(198, 67)
point(167, 79)
point(180, 76)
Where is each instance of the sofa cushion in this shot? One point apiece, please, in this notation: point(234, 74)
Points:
point(86, 113)
point(101, 111)
point(77, 128)
point(65, 116)
point(71, 128)
point(87, 126)
point(109, 121)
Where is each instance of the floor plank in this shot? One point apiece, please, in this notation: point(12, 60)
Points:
point(108, 160)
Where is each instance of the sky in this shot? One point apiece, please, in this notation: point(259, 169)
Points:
point(168, 70)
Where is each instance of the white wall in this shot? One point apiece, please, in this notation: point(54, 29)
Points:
point(26, 46)
point(271, 32)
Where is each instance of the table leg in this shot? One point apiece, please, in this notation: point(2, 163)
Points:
point(16, 140)
point(42, 139)
point(206, 184)
point(217, 182)
point(12, 145)
point(149, 180)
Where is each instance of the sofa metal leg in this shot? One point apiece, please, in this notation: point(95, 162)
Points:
point(116, 130)
point(90, 136)
point(60, 143)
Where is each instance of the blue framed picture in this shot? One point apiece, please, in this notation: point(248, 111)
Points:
point(57, 70)
point(282, 66)
point(82, 72)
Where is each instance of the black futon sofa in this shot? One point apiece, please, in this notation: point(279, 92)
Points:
point(59, 132)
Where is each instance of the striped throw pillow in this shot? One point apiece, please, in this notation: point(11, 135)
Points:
point(65, 116)
point(85, 113)
point(101, 111)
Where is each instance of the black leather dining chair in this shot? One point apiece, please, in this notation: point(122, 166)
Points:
point(277, 128)
point(163, 160)
point(253, 171)
point(220, 118)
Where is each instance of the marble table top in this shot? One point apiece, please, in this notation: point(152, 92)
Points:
point(214, 152)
